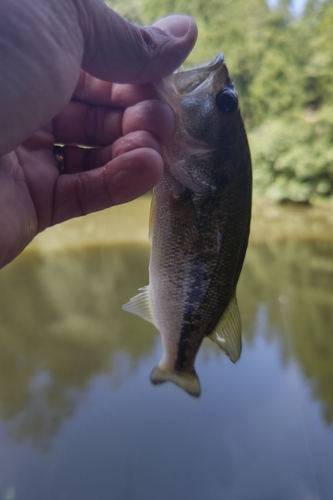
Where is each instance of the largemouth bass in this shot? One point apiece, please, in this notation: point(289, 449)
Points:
point(199, 224)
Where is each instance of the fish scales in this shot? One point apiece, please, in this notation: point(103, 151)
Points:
point(199, 228)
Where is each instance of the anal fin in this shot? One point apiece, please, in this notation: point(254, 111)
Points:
point(228, 332)
point(141, 305)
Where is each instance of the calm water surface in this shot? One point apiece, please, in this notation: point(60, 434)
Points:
point(79, 419)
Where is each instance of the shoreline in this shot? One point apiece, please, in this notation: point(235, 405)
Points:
point(128, 223)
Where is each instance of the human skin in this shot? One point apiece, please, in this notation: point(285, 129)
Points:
point(76, 73)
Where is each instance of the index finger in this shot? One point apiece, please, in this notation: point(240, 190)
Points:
point(99, 92)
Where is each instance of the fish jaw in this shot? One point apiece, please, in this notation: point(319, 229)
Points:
point(194, 81)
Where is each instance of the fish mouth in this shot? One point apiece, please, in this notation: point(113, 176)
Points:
point(211, 65)
point(206, 78)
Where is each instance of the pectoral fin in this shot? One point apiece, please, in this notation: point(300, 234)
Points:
point(227, 333)
point(187, 381)
point(141, 305)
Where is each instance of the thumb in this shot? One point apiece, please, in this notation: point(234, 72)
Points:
point(119, 51)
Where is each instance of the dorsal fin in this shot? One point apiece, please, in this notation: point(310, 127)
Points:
point(227, 333)
point(141, 305)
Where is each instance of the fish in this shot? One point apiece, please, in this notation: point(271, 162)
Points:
point(199, 224)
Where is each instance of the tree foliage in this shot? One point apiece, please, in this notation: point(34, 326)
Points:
point(283, 70)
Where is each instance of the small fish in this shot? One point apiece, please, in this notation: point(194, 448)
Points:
point(199, 224)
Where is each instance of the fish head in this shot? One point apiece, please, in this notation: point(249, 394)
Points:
point(209, 124)
point(204, 100)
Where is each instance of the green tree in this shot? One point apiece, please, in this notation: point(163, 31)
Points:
point(283, 70)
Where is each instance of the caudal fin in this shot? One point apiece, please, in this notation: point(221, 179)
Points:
point(187, 381)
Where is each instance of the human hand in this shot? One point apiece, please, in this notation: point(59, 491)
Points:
point(46, 98)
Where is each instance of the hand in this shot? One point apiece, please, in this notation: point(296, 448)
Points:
point(60, 57)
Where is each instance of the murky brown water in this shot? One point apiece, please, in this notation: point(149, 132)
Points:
point(79, 418)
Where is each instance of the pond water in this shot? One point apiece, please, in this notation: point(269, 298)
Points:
point(80, 420)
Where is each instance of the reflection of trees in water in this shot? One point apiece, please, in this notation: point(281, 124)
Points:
point(295, 281)
point(61, 325)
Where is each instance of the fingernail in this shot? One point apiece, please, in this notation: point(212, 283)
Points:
point(176, 26)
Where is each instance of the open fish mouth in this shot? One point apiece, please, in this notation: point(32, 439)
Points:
point(200, 79)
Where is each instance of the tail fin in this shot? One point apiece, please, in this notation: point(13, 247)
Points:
point(187, 381)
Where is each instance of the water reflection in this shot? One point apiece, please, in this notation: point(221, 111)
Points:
point(295, 281)
point(79, 418)
point(62, 325)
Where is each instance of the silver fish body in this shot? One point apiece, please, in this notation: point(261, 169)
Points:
point(199, 224)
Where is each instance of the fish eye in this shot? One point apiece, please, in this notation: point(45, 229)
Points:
point(227, 101)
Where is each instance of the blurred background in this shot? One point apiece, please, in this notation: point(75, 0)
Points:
point(79, 418)
point(281, 58)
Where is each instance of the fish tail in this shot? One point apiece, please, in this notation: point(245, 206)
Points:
point(187, 381)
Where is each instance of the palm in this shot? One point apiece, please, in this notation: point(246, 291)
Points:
point(28, 179)
point(50, 50)
point(122, 162)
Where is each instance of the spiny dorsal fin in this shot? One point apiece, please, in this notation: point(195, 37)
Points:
point(187, 381)
point(227, 333)
point(141, 305)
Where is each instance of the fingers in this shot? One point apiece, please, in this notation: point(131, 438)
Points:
point(99, 92)
point(118, 51)
point(87, 125)
point(127, 167)
point(101, 126)
point(82, 159)
point(125, 178)
point(155, 117)
point(117, 173)
point(46, 44)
